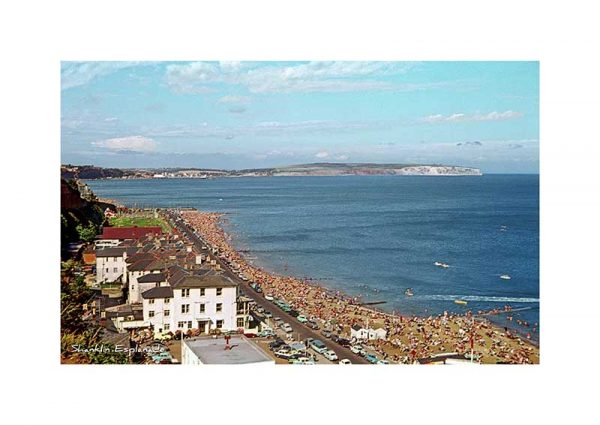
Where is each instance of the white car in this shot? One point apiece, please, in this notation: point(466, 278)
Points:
point(345, 361)
point(330, 355)
point(383, 362)
point(357, 349)
point(286, 328)
point(269, 297)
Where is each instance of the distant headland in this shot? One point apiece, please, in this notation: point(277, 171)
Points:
point(69, 171)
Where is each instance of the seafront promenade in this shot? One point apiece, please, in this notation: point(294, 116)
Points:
point(407, 338)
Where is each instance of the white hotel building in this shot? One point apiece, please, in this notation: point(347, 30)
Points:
point(203, 300)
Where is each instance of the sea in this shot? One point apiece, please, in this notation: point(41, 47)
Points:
point(376, 236)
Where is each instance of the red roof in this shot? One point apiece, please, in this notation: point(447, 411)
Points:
point(129, 232)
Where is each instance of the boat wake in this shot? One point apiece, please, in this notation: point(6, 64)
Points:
point(476, 298)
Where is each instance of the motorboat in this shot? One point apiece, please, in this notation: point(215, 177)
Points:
point(440, 264)
point(505, 277)
point(409, 292)
point(461, 302)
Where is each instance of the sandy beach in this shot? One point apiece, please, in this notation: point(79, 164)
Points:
point(408, 337)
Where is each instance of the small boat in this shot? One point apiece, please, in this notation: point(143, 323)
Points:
point(439, 264)
point(408, 292)
point(505, 277)
point(461, 302)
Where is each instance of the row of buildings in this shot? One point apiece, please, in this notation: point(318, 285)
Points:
point(167, 285)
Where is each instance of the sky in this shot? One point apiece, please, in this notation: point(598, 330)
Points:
point(236, 115)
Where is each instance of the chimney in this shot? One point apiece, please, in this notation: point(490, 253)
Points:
point(198, 259)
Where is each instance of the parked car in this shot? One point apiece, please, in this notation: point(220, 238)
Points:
point(326, 333)
point(293, 313)
point(312, 324)
point(345, 361)
point(318, 346)
point(330, 355)
point(269, 297)
point(267, 333)
point(283, 354)
point(344, 342)
point(357, 349)
point(383, 362)
point(302, 360)
point(335, 338)
point(276, 344)
point(165, 336)
point(267, 314)
point(286, 328)
point(302, 318)
point(371, 358)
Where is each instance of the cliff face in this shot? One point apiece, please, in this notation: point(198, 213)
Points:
point(75, 211)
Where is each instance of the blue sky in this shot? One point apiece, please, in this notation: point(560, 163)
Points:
point(263, 114)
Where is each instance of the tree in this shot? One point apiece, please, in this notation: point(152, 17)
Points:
point(87, 234)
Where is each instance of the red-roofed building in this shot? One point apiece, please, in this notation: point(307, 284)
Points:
point(122, 233)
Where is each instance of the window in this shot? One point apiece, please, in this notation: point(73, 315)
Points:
point(201, 292)
point(151, 313)
point(202, 308)
point(219, 324)
point(219, 291)
point(167, 300)
point(151, 301)
point(167, 326)
point(167, 313)
point(190, 324)
point(115, 269)
point(180, 324)
point(107, 270)
point(185, 308)
point(219, 307)
point(240, 322)
point(185, 293)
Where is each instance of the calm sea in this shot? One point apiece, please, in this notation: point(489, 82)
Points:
point(376, 236)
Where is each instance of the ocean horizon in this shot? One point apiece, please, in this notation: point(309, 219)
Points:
point(376, 236)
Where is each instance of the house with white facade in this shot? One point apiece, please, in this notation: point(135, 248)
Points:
point(110, 264)
point(203, 300)
point(367, 334)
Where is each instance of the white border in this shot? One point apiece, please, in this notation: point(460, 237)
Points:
point(37, 35)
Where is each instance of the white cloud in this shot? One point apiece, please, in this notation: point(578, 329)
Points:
point(131, 143)
point(197, 77)
point(75, 74)
point(342, 157)
point(322, 154)
point(460, 117)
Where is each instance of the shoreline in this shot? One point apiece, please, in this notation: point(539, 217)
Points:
point(413, 336)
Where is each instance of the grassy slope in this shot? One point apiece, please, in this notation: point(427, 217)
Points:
point(140, 221)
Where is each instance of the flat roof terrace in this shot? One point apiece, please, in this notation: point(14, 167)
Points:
point(211, 350)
